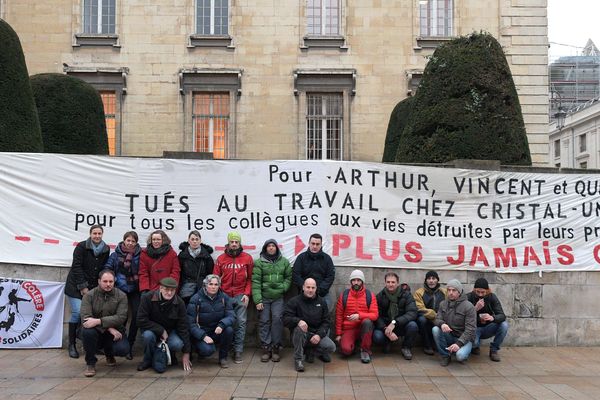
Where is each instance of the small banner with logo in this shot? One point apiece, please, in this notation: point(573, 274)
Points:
point(31, 313)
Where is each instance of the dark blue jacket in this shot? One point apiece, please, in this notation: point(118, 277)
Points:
point(126, 280)
point(204, 314)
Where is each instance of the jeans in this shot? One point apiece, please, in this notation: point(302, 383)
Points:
point(443, 340)
point(349, 337)
point(93, 339)
point(270, 323)
point(75, 305)
point(301, 339)
point(498, 331)
point(133, 299)
point(150, 341)
point(425, 327)
point(241, 313)
point(223, 340)
point(408, 331)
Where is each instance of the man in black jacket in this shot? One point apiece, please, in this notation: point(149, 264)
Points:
point(307, 318)
point(397, 315)
point(491, 321)
point(316, 264)
point(162, 315)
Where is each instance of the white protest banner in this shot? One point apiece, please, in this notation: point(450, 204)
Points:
point(31, 313)
point(369, 214)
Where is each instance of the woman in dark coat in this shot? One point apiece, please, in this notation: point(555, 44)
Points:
point(196, 262)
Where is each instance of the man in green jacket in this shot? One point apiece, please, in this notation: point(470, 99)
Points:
point(103, 317)
point(271, 279)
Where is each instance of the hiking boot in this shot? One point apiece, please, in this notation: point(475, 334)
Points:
point(494, 356)
point(365, 357)
point(309, 356)
point(428, 351)
point(90, 371)
point(224, 362)
point(144, 365)
point(266, 355)
point(73, 353)
point(406, 353)
point(110, 361)
point(275, 357)
point(299, 366)
point(476, 351)
point(445, 361)
point(237, 357)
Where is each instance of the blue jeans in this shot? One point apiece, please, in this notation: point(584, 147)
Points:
point(425, 327)
point(408, 331)
point(498, 331)
point(150, 341)
point(270, 323)
point(93, 340)
point(223, 340)
point(443, 340)
point(241, 314)
point(75, 305)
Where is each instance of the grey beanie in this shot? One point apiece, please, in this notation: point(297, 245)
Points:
point(357, 274)
point(455, 283)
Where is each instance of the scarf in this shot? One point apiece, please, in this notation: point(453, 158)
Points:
point(393, 298)
point(97, 248)
point(195, 253)
point(126, 260)
point(157, 253)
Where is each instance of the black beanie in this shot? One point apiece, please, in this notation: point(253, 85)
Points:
point(481, 283)
point(432, 273)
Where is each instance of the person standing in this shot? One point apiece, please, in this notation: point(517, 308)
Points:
point(158, 261)
point(271, 279)
point(196, 263)
point(315, 263)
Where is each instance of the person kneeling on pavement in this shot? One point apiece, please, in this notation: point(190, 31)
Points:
point(307, 317)
point(491, 321)
point(397, 315)
point(211, 318)
point(162, 317)
point(455, 325)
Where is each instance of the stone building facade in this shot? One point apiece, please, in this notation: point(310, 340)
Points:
point(265, 79)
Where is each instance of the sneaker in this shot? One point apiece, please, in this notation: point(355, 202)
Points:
point(476, 351)
point(494, 356)
point(365, 357)
point(237, 357)
point(266, 355)
point(90, 371)
point(326, 358)
point(445, 361)
point(428, 351)
point(73, 353)
point(110, 361)
point(275, 357)
point(309, 356)
point(406, 353)
point(144, 365)
point(224, 363)
point(299, 366)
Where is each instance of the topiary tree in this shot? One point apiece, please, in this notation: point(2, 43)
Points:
point(466, 107)
point(71, 115)
point(19, 125)
point(398, 120)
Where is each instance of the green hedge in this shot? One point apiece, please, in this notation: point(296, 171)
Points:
point(398, 120)
point(71, 115)
point(19, 125)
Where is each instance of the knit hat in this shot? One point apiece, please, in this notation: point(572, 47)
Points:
point(168, 282)
point(481, 283)
point(455, 283)
point(357, 274)
point(234, 235)
point(432, 273)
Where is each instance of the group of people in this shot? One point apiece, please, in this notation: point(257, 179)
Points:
point(188, 301)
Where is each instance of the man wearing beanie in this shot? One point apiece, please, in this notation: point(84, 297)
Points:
point(491, 321)
point(428, 299)
point(235, 267)
point(455, 324)
point(355, 314)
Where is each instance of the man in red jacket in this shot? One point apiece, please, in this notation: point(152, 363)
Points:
point(355, 313)
point(234, 267)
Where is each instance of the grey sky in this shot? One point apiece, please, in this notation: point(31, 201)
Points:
point(572, 22)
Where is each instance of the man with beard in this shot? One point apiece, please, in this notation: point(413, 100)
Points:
point(162, 315)
point(315, 263)
point(491, 321)
point(355, 314)
point(235, 267)
point(428, 299)
point(455, 324)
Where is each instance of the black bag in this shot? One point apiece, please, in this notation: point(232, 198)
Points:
point(161, 357)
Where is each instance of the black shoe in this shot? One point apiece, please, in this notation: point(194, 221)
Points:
point(387, 347)
point(73, 353)
point(173, 359)
point(144, 365)
point(476, 351)
point(326, 358)
point(445, 361)
point(309, 356)
point(129, 356)
point(299, 365)
point(428, 351)
point(406, 353)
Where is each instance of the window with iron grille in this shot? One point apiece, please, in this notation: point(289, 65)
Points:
point(109, 100)
point(435, 18)
point(324, 121)
point(99, 16)
point(323, 17)
point(210, 117)
point(212, 17)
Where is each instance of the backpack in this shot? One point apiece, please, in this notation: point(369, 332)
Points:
point(347, 292)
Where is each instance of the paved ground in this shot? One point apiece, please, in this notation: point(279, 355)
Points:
point(524, 373)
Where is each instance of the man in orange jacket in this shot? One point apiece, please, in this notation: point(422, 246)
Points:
point(355, 314)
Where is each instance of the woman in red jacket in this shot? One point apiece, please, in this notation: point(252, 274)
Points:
point(158, 261)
